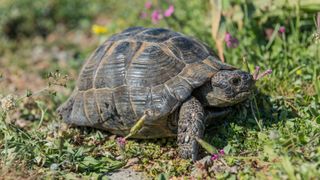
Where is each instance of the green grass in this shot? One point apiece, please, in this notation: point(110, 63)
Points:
point(274, 135)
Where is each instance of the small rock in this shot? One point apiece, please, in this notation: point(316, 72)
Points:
point(21, 123)
point(201, 166)
point(234, 169)
point(125, 174)
point(206, 161)
point(132, 161)
point(54, 167)
point(119, 158)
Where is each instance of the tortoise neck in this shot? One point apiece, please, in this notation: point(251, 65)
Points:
point(200, 93)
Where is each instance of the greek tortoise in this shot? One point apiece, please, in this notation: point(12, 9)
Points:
point(180, 82)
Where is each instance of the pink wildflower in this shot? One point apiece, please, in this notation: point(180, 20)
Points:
point(256, 72)
point(148, 5)
point(282, 30)
point(121, 142)
point(221, 152)
point(217, 156)
point(227, 37)
point(214, 157)
point(156, 16)
point(231, 42)
point(257, 76)
point(267, 72)
point(169, 11)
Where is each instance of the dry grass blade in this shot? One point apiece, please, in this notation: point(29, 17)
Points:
point(216, 17)
point(318, 22)
point(216, 13)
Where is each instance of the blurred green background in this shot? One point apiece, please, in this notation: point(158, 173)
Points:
point(276, 135)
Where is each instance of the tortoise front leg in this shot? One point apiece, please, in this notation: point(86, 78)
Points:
point(191, 124)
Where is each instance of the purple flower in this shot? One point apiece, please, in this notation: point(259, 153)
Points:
point(218, 155)
point(267, 72)
point(156, 16)
point(148, 5)
point(121, 142)
point(256, 72)
point(231, 42)
point(257, 76)
point(227, 37)
point(282, 30)
point(214, 157)
point(221, 152)
point(169, 11)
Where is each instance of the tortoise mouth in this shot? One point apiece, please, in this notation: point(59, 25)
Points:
point(225, 101)
point(242, 96)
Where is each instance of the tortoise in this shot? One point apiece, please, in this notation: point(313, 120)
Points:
point(178, 80)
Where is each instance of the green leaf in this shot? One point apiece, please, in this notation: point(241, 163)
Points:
point(209, 148)
point(227, 149)
point(137, 126)
point(163, 176)
point(89, 160)
point(288, 167)
point(273, 36)
point(29, 93)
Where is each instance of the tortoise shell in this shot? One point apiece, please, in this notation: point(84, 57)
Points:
point(136, 70)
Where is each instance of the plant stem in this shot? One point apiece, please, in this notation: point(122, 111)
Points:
point(253, 113)
point(284, 41)
point(42, 117)
point(273, 36)
point(5, 147)
point(298, 19)
point(245, 62)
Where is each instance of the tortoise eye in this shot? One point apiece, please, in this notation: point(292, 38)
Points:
point(235, 81)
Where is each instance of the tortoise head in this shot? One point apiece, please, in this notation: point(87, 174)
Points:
point(229, 87)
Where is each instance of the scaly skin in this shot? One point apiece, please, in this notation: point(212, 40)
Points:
point(193, 119)
point(191, 124)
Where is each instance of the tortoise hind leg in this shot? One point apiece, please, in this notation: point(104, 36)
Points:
point(191, 124)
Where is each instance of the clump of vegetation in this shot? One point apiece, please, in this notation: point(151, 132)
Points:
point(276, 134)
point(30, 18)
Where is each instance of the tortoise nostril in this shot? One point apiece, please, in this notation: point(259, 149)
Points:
point(236, 81)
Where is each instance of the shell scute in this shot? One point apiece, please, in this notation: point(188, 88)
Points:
point(191, 51)
point(87, 74)
point(111, 72)
point(152, 67)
